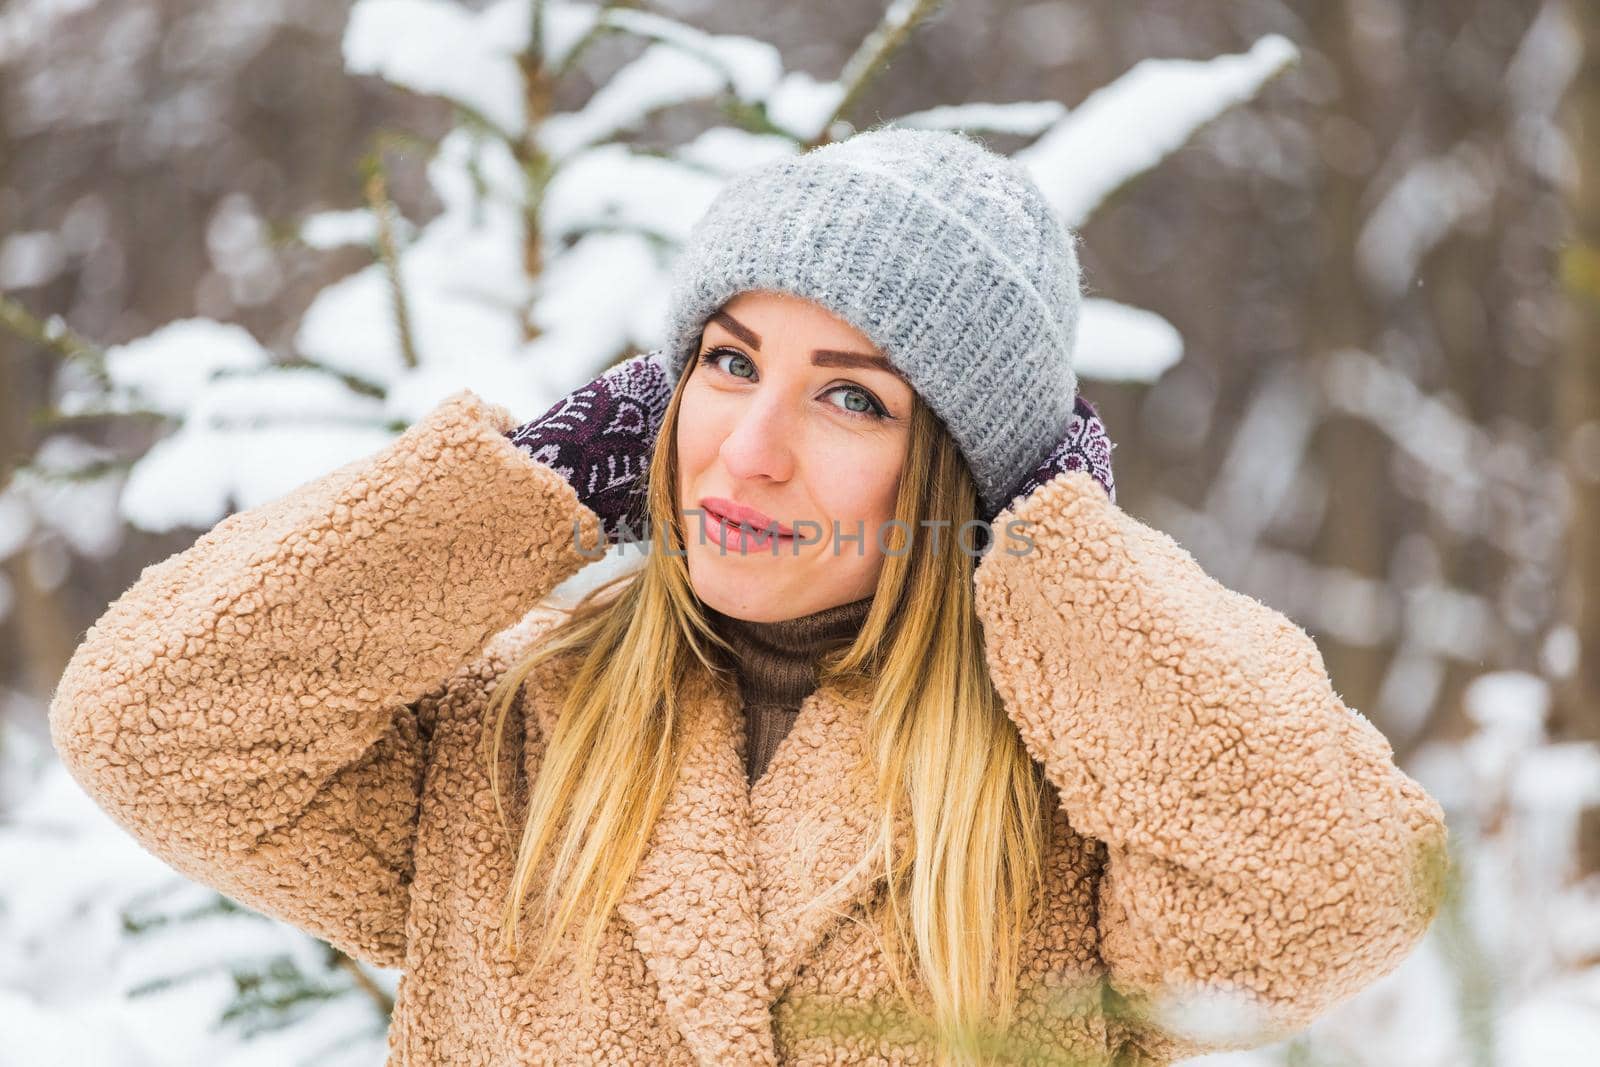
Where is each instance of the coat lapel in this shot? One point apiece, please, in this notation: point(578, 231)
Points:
point(692, 901)
point(814, 819)
point(714, 904)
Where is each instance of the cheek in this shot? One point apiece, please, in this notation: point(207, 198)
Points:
point(858, 479)
point(699, 435)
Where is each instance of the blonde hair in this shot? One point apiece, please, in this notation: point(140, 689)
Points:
point(945, 752)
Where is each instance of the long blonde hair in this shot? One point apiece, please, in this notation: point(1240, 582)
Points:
point(945, 752)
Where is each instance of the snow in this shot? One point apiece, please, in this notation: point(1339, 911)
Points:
point(583, 310)
point(1120, 343)
point(725, 151)
point(15, 521)
point(443, 49)
point(1430, 200)
point(463, 277)
point(1410, 689)
point(1509, 708)
point(250, 438)
point(1449, 621)
point(1445, 459)
point(96, 1033)
point(661, 76)
point(30, 258)
point(77, 988)
point(42, 516)
point(167, 370)
point(1027, 118)
point(611, 186)
point(25, 23)
point(1547, 59)
point(241, 252)
point(1216, 1016)
point(198, 474)
point(899, 13)
point(83, 513)
point(749, 67)
point(473, 175)
point(1557, 1029)
point(349, 328)
point(1560, 651)
point(1559, 776)
point(1134, 123)
point(802, 104)
point(357, 226)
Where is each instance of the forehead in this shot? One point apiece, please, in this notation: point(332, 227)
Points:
point(770, 311)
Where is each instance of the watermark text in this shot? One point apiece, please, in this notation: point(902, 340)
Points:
point(893, 538)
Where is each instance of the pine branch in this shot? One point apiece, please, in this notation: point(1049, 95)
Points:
point(539, 89)
point(1477, 984)
point(90, 472)
point(376, 189)
point(536, 31)
point(355, 383)
point(598, 29)
point(364, 982)
point(54, 334)
point(873, 54)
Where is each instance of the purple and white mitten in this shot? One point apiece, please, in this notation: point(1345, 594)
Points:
point(600, 438)
point(1084, 447)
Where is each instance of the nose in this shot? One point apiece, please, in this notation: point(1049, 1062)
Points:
point(761, 443)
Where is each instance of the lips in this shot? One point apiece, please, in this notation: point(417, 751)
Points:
point(733, 514)
point(745, 534)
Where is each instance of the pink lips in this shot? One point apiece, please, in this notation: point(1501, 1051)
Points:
point(739, 513)
point(742, 528)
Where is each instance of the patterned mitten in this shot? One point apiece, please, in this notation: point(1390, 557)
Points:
point(600, 438)
point(1084, 447)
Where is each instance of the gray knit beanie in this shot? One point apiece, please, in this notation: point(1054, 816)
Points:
point(942, 252)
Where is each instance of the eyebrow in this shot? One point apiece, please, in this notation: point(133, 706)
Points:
point(821, 357)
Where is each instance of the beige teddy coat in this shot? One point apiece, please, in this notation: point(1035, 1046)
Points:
point(290, 711)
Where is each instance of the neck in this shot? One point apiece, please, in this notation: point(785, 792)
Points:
point(776, 662)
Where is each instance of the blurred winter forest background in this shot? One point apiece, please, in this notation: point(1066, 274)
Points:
point(1343, 261)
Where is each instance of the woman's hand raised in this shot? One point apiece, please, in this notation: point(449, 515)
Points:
point(600, 438)
point(1084, 447)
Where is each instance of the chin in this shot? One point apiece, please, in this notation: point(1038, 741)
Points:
point(760, 590)
point(735, 587)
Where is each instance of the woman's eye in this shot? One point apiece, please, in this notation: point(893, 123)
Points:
point(865, 405)
point(714, 357)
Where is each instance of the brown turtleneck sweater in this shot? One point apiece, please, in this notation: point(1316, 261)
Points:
point(776, 667)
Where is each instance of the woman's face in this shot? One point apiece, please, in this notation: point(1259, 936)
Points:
point(790, 412)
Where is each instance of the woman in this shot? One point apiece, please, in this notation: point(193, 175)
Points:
point(936, 756)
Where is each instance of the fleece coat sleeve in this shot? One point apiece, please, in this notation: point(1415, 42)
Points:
point(249, 709)
point(1264, 856)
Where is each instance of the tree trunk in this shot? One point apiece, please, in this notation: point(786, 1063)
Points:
point(1577, 712)
point(1578, 384)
